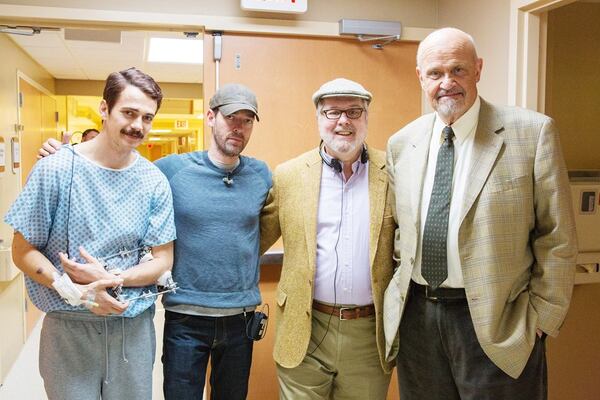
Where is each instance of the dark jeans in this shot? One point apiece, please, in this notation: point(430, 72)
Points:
point(441, 359)
point(188, 343)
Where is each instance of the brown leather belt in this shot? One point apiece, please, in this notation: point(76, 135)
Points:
point(345, 312)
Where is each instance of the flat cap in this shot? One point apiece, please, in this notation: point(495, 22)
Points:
point(341, 87)
point(233, 97)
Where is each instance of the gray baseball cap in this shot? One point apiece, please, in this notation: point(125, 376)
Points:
point(234, 97)
point(341, 87)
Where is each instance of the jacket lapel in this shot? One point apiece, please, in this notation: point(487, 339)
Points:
point(311, 184)
point(418, 165)
point(486, 147)
point(377, 186)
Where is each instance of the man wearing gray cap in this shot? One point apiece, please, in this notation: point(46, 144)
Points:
point(332, 208)
point(217, 197)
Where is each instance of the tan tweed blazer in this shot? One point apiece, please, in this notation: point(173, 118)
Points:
point(291, 211)
point(516, 239)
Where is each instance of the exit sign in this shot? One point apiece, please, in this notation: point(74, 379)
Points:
point(181, 124)
point(282, 6)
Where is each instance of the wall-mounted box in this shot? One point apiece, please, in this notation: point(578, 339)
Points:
point(585, 193)
point(8, 270)
point(281, 6)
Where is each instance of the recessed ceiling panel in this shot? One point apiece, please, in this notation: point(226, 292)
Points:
point(84, 59)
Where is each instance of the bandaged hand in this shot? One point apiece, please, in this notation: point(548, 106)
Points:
point(166, 280)
point(93, 295)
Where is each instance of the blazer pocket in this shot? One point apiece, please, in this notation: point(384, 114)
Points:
point(521, 286)
point(281, 298)
point(507, 184)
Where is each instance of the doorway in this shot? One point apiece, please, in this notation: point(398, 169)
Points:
point(81, 59)
point(37, 115)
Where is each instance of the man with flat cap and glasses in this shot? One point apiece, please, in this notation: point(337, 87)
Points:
point(332, 208)
point(217, 198)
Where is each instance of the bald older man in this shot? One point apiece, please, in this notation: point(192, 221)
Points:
point(486, 238)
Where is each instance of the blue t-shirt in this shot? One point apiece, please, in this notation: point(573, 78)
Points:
point(218, 231)
point(111, 213)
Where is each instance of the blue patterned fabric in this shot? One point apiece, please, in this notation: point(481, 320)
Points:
point(109, 212)
point(217, 253)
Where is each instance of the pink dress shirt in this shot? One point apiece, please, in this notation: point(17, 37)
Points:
point(343, 275)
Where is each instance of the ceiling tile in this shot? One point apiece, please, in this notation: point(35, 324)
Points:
point(44, 39)
point(47, 52)
point(95, 60)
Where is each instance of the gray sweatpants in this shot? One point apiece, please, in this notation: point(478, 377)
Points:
point(87, 357)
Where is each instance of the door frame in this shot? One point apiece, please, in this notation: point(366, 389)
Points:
point(527, 51)
point(19, 127)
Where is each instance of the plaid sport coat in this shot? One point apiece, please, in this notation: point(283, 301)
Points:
point(517, 239)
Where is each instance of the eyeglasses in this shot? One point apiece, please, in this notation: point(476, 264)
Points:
point(351, 113)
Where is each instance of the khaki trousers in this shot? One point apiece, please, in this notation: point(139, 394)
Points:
point(344, 366)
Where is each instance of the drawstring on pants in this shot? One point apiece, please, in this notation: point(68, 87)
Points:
point(106, 349)
point(123, 354)
point(123, 340)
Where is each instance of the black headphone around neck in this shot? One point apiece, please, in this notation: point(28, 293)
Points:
point(336, 164)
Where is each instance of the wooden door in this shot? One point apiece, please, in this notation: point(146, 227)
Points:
point(37, 113)
point(285, 71)
point(30, 112)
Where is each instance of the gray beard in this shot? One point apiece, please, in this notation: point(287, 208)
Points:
point(447, 110)
point(341, 146)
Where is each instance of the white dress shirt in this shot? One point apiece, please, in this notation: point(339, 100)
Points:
point(343, 274)
point(464, 130)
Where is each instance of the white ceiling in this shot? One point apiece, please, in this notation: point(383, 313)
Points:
point(74, 59)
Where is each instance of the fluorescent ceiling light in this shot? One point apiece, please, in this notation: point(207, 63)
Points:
point(176, 51)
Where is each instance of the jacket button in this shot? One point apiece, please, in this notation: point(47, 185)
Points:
point(412, 261)
point(307, 313)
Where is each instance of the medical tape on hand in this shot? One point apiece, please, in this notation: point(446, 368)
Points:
point(67, 289)
point(147, 257)
point(166, 279)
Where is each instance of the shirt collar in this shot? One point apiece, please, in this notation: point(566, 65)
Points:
point(463, 126)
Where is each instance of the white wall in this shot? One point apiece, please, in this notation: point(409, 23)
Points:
point(416, 13)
